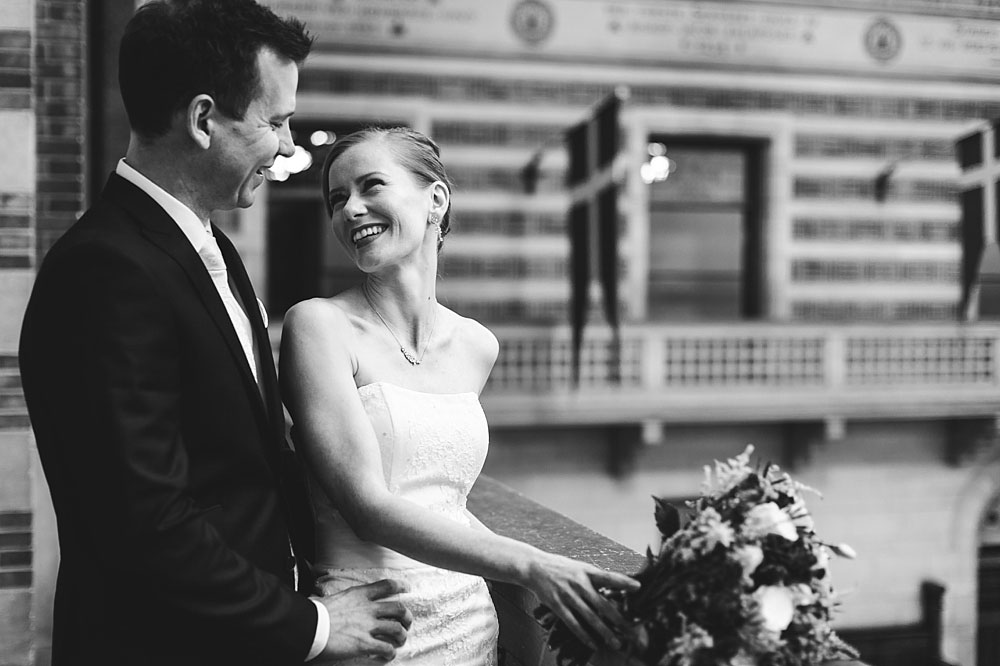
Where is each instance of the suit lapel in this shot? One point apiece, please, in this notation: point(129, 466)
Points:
point(266, 374)
point(161, 230)
point(298, 509)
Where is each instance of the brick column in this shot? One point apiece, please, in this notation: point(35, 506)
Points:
point(42, 176)
point(17, 259)
point(60, 49)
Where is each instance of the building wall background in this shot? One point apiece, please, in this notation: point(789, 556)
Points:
point(894, 489)
point(17, 223)
point(834, 115)
point(42, 119)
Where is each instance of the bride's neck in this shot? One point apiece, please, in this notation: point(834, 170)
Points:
point(406, 297)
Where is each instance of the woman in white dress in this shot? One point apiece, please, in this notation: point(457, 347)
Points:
point(382, 383)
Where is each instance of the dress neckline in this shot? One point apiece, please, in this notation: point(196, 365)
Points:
point(377, 384)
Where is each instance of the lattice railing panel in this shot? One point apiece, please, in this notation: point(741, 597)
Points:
point(744, 361)
point(921, 360)
point(752, 355)
point(536, 363)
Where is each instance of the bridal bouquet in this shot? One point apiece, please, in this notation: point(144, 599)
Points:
point(741, 579)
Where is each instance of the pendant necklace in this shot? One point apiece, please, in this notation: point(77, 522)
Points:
point(412, 359)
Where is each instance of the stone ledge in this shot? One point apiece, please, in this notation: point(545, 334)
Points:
point(511, 514)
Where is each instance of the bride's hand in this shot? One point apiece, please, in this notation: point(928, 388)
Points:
point(570, 589)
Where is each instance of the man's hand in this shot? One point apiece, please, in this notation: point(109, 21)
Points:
point(364, 622)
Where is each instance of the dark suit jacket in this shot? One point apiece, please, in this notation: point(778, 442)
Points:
point(174, 489)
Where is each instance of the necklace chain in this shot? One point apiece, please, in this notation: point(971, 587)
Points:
point(413, 360)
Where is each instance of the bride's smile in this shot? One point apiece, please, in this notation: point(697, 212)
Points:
point(368, 231)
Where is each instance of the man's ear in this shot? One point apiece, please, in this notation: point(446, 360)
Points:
point(199, 118)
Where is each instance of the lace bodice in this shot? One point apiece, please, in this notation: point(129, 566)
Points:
point(433, 447)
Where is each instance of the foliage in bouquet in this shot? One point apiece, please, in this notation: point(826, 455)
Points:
point(741, 579)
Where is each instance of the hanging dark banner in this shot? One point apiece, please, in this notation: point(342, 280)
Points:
point(592, 146)
point(607, 242)
point(977, 154)
point(592, 224)
point(579, 261)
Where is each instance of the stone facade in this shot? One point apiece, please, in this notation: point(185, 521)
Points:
point(896, 490)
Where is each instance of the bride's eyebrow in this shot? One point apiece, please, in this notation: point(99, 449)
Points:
point(334, 193)
point(359, 179)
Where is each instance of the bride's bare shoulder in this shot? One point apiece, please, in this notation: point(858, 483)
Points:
point(321, 314)
point(480, 341)
point(319, 331)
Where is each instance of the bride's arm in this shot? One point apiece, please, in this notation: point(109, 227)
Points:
point(339, 445)
point(476, 523)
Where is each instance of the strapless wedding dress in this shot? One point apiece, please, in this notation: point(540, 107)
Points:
point(433, 448)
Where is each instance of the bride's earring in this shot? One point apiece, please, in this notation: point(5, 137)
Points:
point(435, 219)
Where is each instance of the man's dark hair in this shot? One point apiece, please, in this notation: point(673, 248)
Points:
point(173, 50)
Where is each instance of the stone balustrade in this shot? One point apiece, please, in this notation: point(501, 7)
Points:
point(746, 372)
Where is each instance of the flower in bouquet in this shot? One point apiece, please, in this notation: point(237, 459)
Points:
point(767, 518)
point(739, 578)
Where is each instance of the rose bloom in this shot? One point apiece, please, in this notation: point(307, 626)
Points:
point(749, 558)
point(776, 606)
point(768, 518)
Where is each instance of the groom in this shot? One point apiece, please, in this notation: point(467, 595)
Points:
point(149, 381)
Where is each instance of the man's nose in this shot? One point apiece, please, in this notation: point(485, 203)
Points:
point(286, 147)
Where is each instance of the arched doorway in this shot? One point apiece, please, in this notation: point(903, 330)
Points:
point(988, 606)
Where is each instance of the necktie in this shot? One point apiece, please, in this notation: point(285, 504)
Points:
point(211, 256)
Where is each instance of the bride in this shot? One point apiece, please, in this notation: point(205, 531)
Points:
point(382, 383)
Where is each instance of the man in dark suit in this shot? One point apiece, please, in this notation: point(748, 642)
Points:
point(150, 384)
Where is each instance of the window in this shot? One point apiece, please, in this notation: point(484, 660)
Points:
point(705, 237)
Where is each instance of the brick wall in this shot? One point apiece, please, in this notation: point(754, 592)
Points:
point(42, 179)
point(17, 256)
point(60, 47)
point(16, 196)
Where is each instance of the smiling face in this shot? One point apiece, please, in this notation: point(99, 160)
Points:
point(379, 208)
point(243, 149)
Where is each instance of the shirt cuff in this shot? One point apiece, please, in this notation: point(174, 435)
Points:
point(322, 630)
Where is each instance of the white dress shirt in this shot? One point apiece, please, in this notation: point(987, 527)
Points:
point(199, 233)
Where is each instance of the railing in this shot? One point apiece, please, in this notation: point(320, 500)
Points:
point(745, 371)
point(522, 640)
